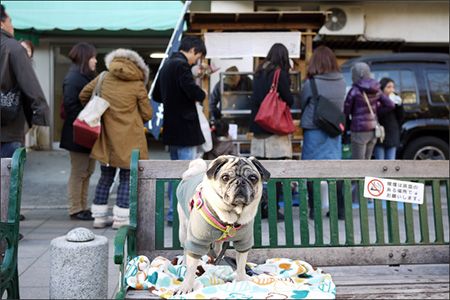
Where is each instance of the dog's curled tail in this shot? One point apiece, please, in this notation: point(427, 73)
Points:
point(196, 166)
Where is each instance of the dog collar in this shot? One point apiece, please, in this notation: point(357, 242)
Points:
point(196, 202)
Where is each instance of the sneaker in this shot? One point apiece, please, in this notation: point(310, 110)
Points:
point(22, 217)
point(82, 215)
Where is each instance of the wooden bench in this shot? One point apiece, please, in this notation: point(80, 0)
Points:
point(398, 253)
point(11, 193)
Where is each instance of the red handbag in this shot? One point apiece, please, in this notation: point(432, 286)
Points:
point(274, 115)
point(85, 135)
point(87, 126)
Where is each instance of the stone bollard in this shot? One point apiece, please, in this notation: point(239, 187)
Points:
point(79, 266)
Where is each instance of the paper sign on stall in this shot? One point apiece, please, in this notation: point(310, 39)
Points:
point(394, 190)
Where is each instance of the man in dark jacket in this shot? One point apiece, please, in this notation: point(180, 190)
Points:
point(16, 70)
point(176, 88)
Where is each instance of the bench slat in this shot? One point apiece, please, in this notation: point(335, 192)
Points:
point(167, 169)
point(288, 217)
point(318, 217)
point(423, 219)
point(303, 205)
point(272, 194)
point(395, 291)
point(348, 206)
point(437, 206)
point(379, 222)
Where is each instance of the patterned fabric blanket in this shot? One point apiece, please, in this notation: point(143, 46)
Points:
point(279, 278)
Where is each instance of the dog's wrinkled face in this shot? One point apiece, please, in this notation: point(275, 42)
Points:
point(237, 180)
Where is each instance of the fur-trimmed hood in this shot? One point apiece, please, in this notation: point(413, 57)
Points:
point(130, 55)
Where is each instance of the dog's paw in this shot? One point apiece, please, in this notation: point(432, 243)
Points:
point(183, 290)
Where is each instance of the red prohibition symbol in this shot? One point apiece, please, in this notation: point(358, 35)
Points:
point(375, 187)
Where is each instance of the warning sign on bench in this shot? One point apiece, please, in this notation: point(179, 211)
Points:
point(393, 190)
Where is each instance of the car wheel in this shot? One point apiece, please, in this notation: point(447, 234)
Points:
point(426, 148)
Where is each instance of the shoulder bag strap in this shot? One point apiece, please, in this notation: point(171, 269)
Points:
point(312, 83)
point(368, 104)
point(276, 78)
point(98, 88)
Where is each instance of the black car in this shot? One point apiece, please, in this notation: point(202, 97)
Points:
point(422, 81)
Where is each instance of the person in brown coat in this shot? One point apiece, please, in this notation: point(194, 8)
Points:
point(122, 130)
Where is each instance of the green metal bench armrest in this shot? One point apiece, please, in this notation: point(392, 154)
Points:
point(10, 229)
point(9, 263)
point(124, 234)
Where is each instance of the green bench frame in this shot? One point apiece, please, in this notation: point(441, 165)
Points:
point(145, 234)
point(11, 195)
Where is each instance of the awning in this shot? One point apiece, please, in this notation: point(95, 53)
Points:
point(50, 17)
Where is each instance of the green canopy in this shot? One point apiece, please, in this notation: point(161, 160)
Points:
point(152, 18)
point(94, 15)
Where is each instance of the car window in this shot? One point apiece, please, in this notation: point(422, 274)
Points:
point(408, 88)
point(438, 86)
point(405, 83)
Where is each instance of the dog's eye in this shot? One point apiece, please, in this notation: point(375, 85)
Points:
point(225, 178)
point(253, 178)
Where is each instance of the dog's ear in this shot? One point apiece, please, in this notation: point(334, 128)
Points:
point(215, 166)
point(265, 174)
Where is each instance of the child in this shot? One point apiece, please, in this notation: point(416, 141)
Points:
point(222, 144)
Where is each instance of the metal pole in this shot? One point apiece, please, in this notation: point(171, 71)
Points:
point(169, 46)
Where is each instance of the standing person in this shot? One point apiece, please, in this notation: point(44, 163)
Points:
point(81, 72)
point(176, 88)
point(122, 130)
point(264, 144)
point(391, 122)
point(222, 143)
point(317, 144)
point(231, 83)
point(18, 83)
point(18, 76)
point(363, 124)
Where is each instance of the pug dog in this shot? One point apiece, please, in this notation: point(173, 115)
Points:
point(216, 203)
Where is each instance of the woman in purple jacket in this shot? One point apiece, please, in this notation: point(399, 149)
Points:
point(363, 124)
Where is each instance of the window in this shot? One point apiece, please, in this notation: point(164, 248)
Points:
point(438, 86)
point(405, 83)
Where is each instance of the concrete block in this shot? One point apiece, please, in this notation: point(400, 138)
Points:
point(79, 266)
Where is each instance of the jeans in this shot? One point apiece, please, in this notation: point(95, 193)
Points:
point(179, 153)
point(383, 152)
point(319, 145)
point(8, 148)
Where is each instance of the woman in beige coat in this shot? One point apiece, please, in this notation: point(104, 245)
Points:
point(124, 87)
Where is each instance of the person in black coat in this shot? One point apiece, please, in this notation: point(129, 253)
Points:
point(81, 72)
point(176, 88)
point(391, 122)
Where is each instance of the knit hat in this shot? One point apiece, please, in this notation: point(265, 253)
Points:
point(231, 80)
point(359, 71)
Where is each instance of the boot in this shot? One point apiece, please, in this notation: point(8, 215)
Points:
point(121, 217)
point(100, 215)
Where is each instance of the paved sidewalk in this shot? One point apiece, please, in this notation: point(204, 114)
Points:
point(39, 229)
point(44, 205)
